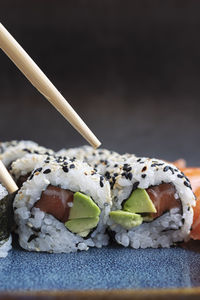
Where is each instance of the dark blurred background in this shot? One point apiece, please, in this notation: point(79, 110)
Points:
point(131, 69)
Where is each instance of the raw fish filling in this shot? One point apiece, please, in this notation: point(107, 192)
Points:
point(163, 198)
point(55, 201)
point(77, 210)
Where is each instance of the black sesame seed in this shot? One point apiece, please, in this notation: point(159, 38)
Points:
point(153, 165)
point(130, 176)
point(187, 184)
point(47, 171)
point(187, 179)
point(101, 183)
point(107, 175)
point(188, 208)
point(36, 152)
point(144, 169)
point(27, 150)
point(72, 166)
point(32, 237)
point(31, 176)
point(166, 168)
point(65, 169)
point(183, 221)
point(115, 174)
point(139, 159)
point(135, 185)
point(35, 229)
point(143, 175)
point(38, 170)
point(180, 176)
point(116, 165)
point(126, 175)
point(101, 178)
point(171, 169)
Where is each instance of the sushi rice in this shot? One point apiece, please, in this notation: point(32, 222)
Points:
point(40, 231)
point(164, 231)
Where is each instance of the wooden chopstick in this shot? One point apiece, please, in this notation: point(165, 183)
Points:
point(7, 180)
point(40, 81)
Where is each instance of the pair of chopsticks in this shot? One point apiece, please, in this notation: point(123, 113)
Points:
point(40, 81)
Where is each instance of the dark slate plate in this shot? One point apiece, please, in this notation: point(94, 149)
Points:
point(108, 268)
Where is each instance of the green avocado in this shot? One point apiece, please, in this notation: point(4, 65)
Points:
point(82, 225)
point(139, 202)
point(84, 233)
point(126, 219)
point(147, 218)
point(83, 207)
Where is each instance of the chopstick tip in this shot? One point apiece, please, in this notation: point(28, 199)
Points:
point(96, 145)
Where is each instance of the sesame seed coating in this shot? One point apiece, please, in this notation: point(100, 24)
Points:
point(65, 169)
point(72, 166)
point(47, 171)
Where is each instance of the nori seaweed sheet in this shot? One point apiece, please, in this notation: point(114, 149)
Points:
point(6, 216)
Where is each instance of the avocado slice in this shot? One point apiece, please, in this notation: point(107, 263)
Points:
point(126, 219)
point(82, 225)
point(83, 207)
point(84, 233)
point(147, 217)
point(139, 202)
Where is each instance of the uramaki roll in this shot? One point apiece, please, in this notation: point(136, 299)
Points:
point(10, 151)
point(152, 204)
point(63, 207)
point(22, 167)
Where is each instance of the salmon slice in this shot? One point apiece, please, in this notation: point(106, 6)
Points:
point(193, 175)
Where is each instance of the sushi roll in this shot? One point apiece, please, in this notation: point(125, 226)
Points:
point(88, 154)
point(17, 150)
point(5, 145)
point(21, 168)
point(62, 207)
point(6, 220)
point(152, 204)
point(100, 159)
